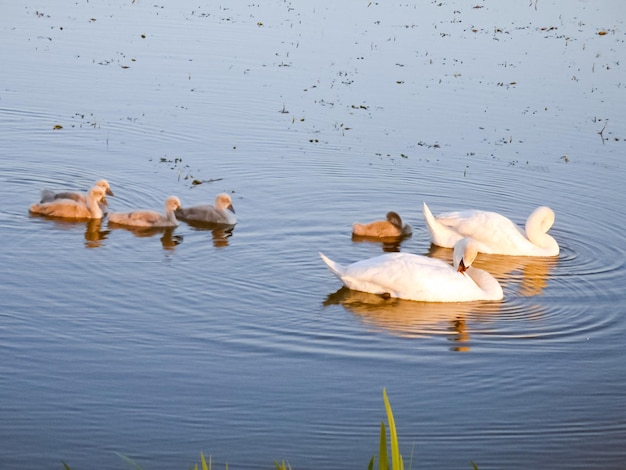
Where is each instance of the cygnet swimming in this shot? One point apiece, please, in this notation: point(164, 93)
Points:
point(148, 218)
point(392, 227)
point(71, 208)
point(222, 213)
point(49, 196)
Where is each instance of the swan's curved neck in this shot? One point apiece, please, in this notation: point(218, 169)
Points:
point(537, 226)
point(486, 282)
point(544, 243)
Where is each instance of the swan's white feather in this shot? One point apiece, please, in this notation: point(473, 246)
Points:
point(493, 232)
point(420, 278)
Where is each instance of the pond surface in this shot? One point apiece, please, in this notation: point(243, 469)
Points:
point(312, 116)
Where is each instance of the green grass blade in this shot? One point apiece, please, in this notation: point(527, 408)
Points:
point(383, 460)
point(129, 461)
point(396, 458)
point(203, 461)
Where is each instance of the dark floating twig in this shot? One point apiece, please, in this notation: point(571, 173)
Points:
point(601, 132)
point(212, 180)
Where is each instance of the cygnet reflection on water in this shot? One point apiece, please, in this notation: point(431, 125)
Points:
point(387, 245)
point(94, 235)
point(220, 233)
point(169, 240)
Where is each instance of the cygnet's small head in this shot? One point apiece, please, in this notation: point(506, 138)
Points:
point(465, 252)
point(223, 201)
point(172, 203)
point(104, 184)
point(394, 219)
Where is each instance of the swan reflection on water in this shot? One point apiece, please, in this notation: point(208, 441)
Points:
point(530, 273)
point(410, 319)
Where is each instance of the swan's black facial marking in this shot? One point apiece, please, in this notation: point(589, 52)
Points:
point(462, 267)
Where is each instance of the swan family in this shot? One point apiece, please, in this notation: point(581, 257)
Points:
point(421, 278)
point(399, 275)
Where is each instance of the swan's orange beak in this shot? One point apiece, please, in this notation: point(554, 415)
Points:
point(462, 267)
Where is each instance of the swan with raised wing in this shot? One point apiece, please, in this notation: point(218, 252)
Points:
point(494, 233)
point(415, 277)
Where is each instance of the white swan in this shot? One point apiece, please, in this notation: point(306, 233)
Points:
point(222, 213)
point(392, 227)
point(146, 218)
point(49, 196)
point(72, 209)
point(494, 233)
point(414, 277)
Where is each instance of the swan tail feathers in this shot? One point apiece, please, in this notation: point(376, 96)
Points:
point(337, 269)
point(359, 229)
point(440, 235)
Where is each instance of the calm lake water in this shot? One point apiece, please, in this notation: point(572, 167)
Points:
point(312, 115)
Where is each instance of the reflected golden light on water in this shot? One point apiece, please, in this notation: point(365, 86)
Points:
point(531, 273)
point(411, 319)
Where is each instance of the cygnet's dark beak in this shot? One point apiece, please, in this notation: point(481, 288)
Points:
point(109, 192)
point(231, 208)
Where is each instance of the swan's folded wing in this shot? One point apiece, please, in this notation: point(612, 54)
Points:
point(203, 213)
point(136, 218)
point(64, 208)
point(489, 229)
